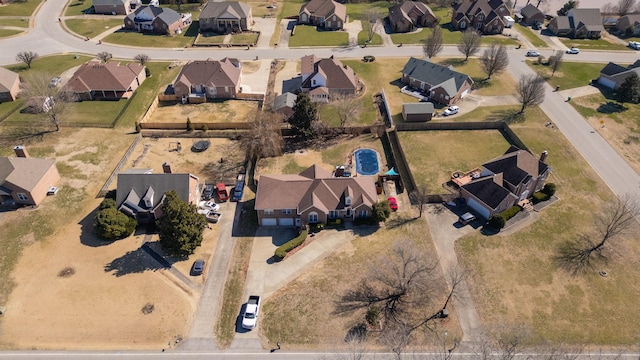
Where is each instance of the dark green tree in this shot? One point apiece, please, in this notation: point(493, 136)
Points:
point(549, 189)
point(180, 227)
point(629, 90)
point(111, 224)
point(571, 4)
point(305, 114)
point(381, 211)
point(189, 125)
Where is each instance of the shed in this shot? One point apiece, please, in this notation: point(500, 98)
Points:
point(284, 103)
point(417, 112)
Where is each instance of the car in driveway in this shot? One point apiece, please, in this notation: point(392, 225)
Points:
point(207, 193)
point(573, 51)
point(466, 218)
point(393, 203)
point(209, 205)
point(533, 53)
point(451, 110)
point(198, 267)
point(55, 81)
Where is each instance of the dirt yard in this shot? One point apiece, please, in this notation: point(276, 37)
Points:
point(69, 290)
point(223, 111)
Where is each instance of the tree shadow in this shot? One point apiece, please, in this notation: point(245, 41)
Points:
point(611, 107)
point(133, 262)
point(398, 221)
point(452, 62)
point(88, 237)
point(508, 116)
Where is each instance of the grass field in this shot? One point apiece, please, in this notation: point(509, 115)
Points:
point(54, 64)
point(593, 44)
point(500, 84)
point(570, 75)
point(92, 27)
point(363, 36)
point(24, 22)
point(20, 8)
point(449, 37)
point(306, 35)
point(77, 7)
point(212, 111)
point(132, 38)
point(8, 32)
point(530, 35)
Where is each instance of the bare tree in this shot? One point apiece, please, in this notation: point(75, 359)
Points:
point(469, 43)
point(530, 91)
point(397, 338)
point(494, 59)
point(418, 198)
point(355, 350)
point(346, 108)
point(555, 61)
point(433, 44)
point(539, 2)
point(142, 59)
point(509, 339)
point(371, 16)
point(616, 218)
point(50, 101)
point(27, 57)
point(625, 7)
point(264, 138)
point(104, 56)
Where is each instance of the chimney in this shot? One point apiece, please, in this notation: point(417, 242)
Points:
point(166, 168)
point(20, 151)
point(544, 155)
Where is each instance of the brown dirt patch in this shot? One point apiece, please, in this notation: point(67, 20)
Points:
point(219, 111)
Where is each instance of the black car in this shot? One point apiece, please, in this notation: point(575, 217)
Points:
point(207, 193)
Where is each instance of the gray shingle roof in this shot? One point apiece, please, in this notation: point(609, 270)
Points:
point(225, 72)
point(613, 69)
point(135, 186)
point(530, 11)
point(418, 108)
point(285, 100)
point(435, 75)
point(225, 10)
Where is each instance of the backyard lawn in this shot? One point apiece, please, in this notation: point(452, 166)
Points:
point(306, 35)
point(570, 75)
point(592, 44)
point(19, 8)
point(133, 38)
point(530, 35)
point(92, 27)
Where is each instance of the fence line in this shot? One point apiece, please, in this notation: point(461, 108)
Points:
point(105, 188)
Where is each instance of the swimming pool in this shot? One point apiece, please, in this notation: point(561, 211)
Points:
point(366, 162)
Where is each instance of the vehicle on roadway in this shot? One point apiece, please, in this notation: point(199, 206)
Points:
point(533, 53)
point(573, 51)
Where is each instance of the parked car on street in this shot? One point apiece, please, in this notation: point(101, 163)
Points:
point(533, 53)
point(573, 51)
point(451, 110)
point(634, 45)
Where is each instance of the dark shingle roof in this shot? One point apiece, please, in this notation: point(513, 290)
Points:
point(434, 74)
point(135, 186)
point(613, 69)
point(509, 169)
point(487, 191)
point(225, 10)
point(111, 76)
point(225, 72)
point(530, 11)
point(169, 16)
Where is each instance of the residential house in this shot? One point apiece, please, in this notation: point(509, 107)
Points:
point(9, 85)
point(209, 79)
point(579, 23)
point(531, 15)
point(408, 15)
point(284, 104)
point(417, 112)
point(613, 75)
point(324, 79)
point(157, 20)
point(504, 181)
point(629, 24)
point(325, 14)
point(313, 196)
point(140, 193)
point(112, 7)
point(225, 17)
point(108, 81)
point(25, 180)
point(440, 83)
point(486, 16)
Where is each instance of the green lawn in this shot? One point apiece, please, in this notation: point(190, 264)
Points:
point(54, 64)
point(363, 36)
point(132, 38)
point(500, 84)
point(306, 35)
point(357, 11)
point(244, 38)
point(20, 8)
point(570, 74)
point(449, 37)
point(592, 44)
point(24, 22)
point(530, 35)
point(210, 38)
point(77, 7)
point(92, 27)
point(87, 113)
point(7, 32)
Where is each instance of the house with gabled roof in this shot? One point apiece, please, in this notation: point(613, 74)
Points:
point(140, 193)
point(157, 20)
point(225, 17)
point(9, 85)
point(613, 75)
point(408, 15)
point(324, 79)
point(313, 196)
point(97, 81)
point(531, 15)
point(579, 23)
point(25, 180)
point(440, 83)
point(486, 16)
point(325, 14)
point(112, 7)
point(209, 79)
point(504, 181)
point(284, 104)
point(629, 24)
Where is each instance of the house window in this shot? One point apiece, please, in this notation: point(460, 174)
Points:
point(313, 218)
point(268, 211)
point(286, 211)
point(463, 25)
point(479, 26)
point(480, 17)
point(333, 214)
point(334, 17)
point(314, 81)
point(363, 213)
point(347, 200)
point(22, 197)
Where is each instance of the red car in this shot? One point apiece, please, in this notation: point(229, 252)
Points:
point(393, 203)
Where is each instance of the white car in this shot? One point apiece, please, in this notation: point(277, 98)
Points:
point(451, 110)
point(533, 53)
point(634, 45)
point(209, 205)
point(573, 51)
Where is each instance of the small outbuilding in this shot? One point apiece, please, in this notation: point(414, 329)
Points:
point(417, 112)
point(284, 103)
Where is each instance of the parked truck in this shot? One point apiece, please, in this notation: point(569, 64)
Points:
point(251, 311)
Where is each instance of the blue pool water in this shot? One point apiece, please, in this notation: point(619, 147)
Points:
point(366, 162)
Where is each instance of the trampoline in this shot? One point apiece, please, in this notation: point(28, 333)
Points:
point(201, 145)
point(366, 162)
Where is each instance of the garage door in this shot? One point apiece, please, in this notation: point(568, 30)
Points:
point(269, 222)
point(606, 82)
point(479, 209)
point(286, 222)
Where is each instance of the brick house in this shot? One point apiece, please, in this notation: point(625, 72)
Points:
point(209, 79)
point(408, 15)
point(579, 23)
point(225, 17)
point(25, 180)
point(325, 14)
point(486, 16)
point(439, 82)
point(531, 15)
point(112, 7)
point(157, 20)
point(111, 81)
point(323, 79)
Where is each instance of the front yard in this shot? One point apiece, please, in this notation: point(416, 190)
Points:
point(307, 35)
point(593, 44)
point(570, 75)
point(133, 38)
point(20, 8)
point(92, 27)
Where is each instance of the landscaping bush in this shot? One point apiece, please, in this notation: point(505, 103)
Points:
point(539, 196)
point(111, 224)
point(497, 221)
point(189, 125)
point(381, 210)
point(314, 228)
point(107, 203)
point(138, 127)
point(549, 189)
point(510, 212)
point(283, 249)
